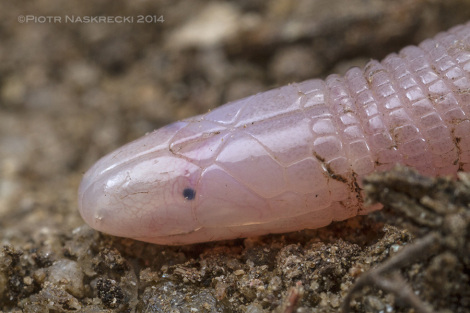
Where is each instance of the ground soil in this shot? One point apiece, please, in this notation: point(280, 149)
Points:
point(72, 91)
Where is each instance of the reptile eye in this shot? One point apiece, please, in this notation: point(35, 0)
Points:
point(189, 193)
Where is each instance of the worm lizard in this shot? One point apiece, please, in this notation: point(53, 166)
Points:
point(289, 158)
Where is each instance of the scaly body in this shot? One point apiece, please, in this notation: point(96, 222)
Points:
point(290, 158)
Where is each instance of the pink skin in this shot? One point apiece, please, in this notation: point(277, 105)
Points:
point(289, 158)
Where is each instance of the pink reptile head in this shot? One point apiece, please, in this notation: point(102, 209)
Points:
point(289, 158)
point(141, 189)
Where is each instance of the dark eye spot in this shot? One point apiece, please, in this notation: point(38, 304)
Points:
point(189, 193)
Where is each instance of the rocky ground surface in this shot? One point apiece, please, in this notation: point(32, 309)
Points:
point(72, 91)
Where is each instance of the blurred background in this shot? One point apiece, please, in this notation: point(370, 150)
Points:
point(72, 91)
point(73, 88)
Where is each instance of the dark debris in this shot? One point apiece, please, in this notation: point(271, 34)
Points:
point(437, 211)
point(110, 292)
